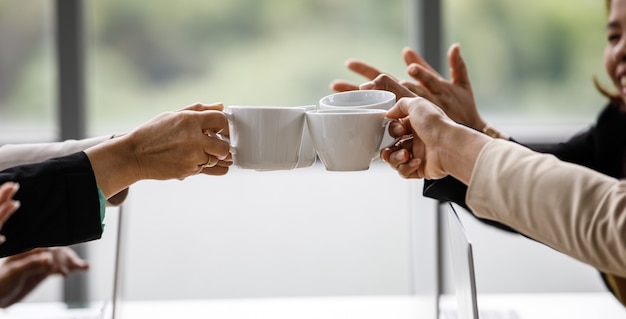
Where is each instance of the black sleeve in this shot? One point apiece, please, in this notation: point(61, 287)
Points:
point(59, 204)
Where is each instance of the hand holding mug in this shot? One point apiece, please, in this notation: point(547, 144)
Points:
point(173, 145)
point(432, 153)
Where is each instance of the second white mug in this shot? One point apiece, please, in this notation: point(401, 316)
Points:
point(347, 140)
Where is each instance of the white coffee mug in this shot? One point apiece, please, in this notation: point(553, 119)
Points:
point(265, 137)
point(307, 155)
point(362, 99)
point(347, 139)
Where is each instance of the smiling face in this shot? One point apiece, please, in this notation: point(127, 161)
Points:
point(615, 52)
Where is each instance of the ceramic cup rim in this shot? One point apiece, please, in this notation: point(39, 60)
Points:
point(387, 97)
point(345, 111)
point(270, 107)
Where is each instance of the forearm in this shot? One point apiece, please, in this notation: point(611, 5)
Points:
point(568, 207)
point(113, 165)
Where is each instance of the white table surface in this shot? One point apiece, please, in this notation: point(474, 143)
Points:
point(566, 305)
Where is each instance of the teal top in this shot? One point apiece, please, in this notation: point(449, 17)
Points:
point(103, 203)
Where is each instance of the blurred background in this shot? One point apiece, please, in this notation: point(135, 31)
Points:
point(308, 231)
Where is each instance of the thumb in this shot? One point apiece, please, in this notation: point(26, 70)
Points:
point(401, 109)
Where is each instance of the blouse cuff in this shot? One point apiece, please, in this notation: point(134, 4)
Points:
point(103, 202)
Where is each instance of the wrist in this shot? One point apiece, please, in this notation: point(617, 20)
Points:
point(463, 146)
point(114, 165)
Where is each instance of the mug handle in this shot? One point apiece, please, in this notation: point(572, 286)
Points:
point(386, 124)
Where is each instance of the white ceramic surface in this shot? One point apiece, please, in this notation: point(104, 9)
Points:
point(307, 155)
point(266, 137)
point(346, 140)
point(362, 99)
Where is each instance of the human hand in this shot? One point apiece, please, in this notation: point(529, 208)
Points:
point(416, 156)
point(455, 97)
point(173, 145)
point(439, 146)
point(65, 260)
point(7, 205)
point(20, 274)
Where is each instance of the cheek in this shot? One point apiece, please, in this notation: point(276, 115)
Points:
point(609, 62)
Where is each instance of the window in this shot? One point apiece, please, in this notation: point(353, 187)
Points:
point(152, 56)
point(27, 72)
point(531, 60)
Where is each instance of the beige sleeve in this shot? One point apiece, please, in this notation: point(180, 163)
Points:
point(570, 208)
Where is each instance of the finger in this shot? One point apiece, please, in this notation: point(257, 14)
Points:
point(458, 69)
point(430, 80)
point(398, 129)
point(384, 154)
point(387, 83)
point(343, 86)
point(31, 264)
point(411, 169)
point(362, 68)
point(218, 106)
point(7, 209)
point(419, 90)
point(68, 260)
point(26, 254)
point(213, 121)
point(215, 145)
point(8, 190)
point(410, 56)
point(217, 170)
point(410, 85)
point(211, 161)
point(398, 158)
point(402, 108)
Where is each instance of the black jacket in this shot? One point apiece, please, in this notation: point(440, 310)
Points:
point(59, 204)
